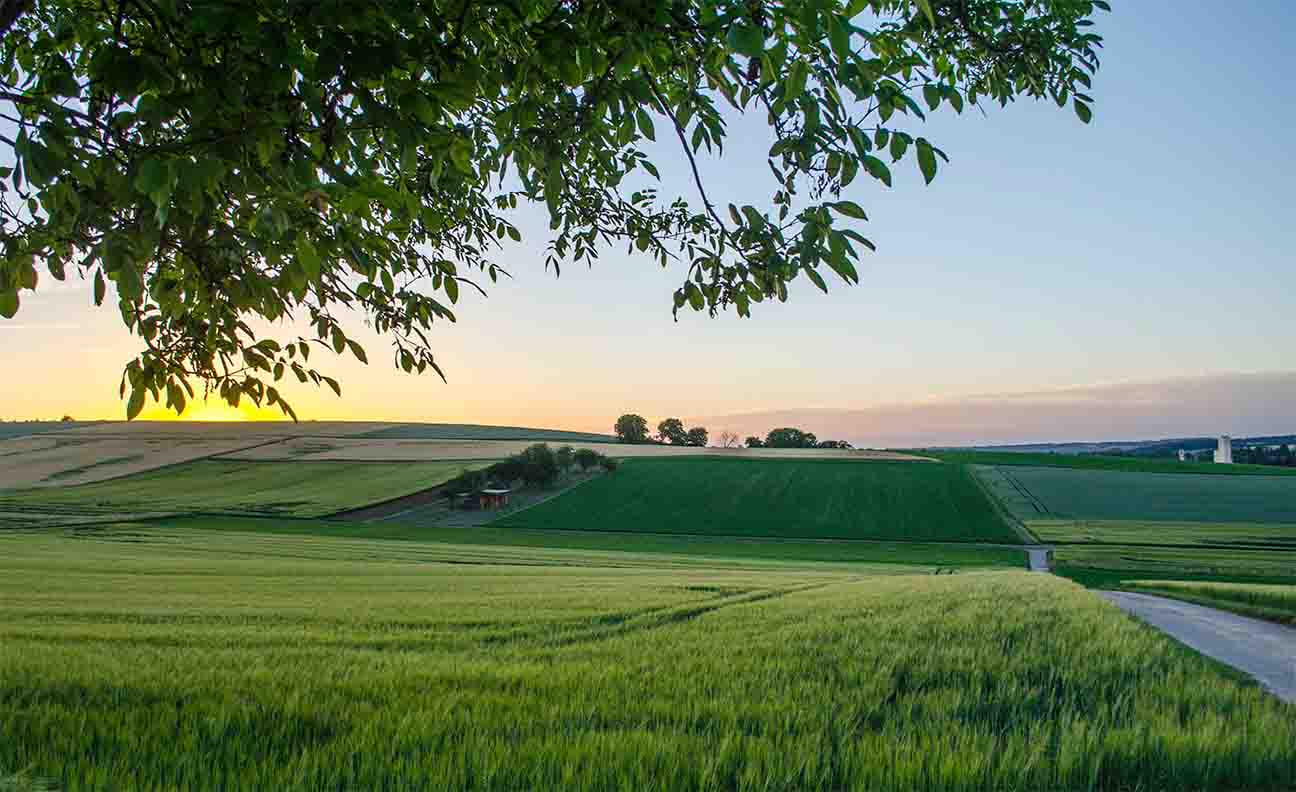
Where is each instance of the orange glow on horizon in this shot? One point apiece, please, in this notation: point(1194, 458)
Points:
point(213, 409)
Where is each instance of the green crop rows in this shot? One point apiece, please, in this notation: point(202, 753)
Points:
point(301, 489)
point(191, 659)
point(1098, 462)
point(822, 499)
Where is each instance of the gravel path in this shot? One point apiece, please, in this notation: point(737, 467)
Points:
point(1264, 650)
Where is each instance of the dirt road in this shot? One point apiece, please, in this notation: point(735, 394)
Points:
point(1265, 651)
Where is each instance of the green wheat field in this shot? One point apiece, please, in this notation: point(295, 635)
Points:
point(155, 657)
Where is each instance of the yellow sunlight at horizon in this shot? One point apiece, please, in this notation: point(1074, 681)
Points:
point(213, 409)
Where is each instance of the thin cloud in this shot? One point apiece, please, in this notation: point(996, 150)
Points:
point(1239, 404)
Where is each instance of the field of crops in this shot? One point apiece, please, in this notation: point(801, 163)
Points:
point(819, 499)
point(304, 489)
point(525, 543)
point(1274, 602)
point(57, 459)
point(1035, 493)
point(1279, 536)
point(259, 661)
point(1109, 566)
point(1098, 462)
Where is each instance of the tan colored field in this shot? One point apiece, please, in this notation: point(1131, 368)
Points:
point(67, 459)
point(386, 450)
point(94, 453)
point(246, 431)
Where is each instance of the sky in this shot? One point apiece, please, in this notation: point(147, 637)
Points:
point(1130, 278)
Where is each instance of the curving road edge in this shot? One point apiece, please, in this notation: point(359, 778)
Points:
point(1264, 650)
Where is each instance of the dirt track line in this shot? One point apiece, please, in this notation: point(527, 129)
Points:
point(1260, 649)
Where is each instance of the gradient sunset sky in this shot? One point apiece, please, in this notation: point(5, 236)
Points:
point(1130, 278)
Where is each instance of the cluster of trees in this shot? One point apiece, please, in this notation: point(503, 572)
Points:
point(536, 466)
point(631, 428)
point(1281, 455)
point(672, 432)
point(791, 437)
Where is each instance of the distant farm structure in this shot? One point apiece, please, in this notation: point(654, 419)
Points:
point(1224, 453)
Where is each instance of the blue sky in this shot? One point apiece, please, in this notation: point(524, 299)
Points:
point(1149, 245)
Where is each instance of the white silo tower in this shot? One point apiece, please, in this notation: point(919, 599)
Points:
point(1224, 453)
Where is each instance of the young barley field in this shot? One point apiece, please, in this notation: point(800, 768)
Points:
point(302, 489)
point(1272, 602)
point(1108, 566)
point(818, 499)
point(306, 663)
point(523, 542)
point(1098, 462)
point(1033, 493)
point(1256, 535)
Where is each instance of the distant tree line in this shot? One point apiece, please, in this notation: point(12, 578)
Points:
point(631, 428)
point(1281, 455)
point(791, 437)
point(1275, 454)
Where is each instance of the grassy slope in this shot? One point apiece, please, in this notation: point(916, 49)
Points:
point(208, 668)
point(707, 548)
point(783, 498)
point(1271, 602)
point(292, 488)
point(1280, 536)
point(1107, 495)
point(1110, 566)
point(1097, 462)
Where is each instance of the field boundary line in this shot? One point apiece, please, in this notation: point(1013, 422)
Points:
point(1019, 527)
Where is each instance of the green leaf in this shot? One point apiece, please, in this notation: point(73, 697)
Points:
point(452, 290)
point(850, 209)
point(878, 170)
point(933, 96)
point(99, 287)
point(839, 38)
point(746, 40)
point(1082, 110)
point(898, 147)
point(136, 403)
point(925, 5)
point(358, 351)
point(645, 124)
point(926, 160)
point(8, 303)
point(795, 83)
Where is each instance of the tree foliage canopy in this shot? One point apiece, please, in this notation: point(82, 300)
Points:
point(671, 430)
point(631, 428)
point(223, 161)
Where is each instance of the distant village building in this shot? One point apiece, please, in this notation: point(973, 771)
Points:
point(494, 498)
point(1224, 453)
point(1183, 455)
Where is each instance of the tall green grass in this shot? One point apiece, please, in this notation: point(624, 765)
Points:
point(132, 662)
point(1272, 602)
point(817, 499)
